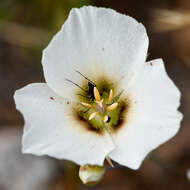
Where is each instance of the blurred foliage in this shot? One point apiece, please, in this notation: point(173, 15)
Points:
point(48, 14)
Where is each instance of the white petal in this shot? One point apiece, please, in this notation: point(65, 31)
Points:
point(97, 42)
point(50, 128)
point(153, 117)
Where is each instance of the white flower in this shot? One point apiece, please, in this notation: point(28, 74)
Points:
point(132, 110)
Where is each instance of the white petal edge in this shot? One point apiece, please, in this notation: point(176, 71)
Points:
point(153, 119)
point(50, 128)
point(97, 42)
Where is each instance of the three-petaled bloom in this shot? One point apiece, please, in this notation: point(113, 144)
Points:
point(102, 99)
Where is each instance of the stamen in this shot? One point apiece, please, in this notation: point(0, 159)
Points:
point(87, 105)
point(75, 84)
point(105, 118)
point(109, 161)
point(112, 107)
point(87, 97)
point(110, 96)
point(93, 115)
point(96, 94)
point(85, 77)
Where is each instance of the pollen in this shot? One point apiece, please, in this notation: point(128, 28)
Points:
point(87, 105)
point(112, 107)
point(93, 115)
point(97, 94)
point(105, 118)
point(110, 96)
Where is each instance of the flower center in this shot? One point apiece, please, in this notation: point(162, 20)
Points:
point(102, 107)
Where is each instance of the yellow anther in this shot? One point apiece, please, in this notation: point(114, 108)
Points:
point(92, 115)
point(112, 107)
point(110, 96)
point(87, 105)
point(110, 162)
point(97, 94)
point(105, 118)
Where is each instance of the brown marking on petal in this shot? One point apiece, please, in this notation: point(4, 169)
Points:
point(123, 116)
point(150, 63)
point(68, 102)
point(88, 125)
point(102, 49)
point(85, 124)
point(52, 98)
